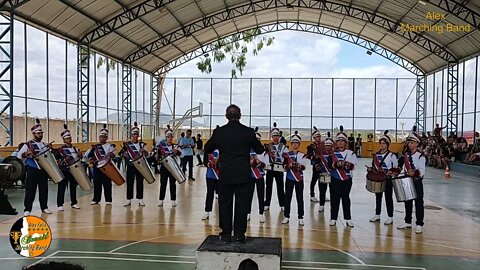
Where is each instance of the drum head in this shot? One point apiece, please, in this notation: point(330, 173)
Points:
point(18, 169)
point(102, 162)
point(41, 153)
point(376, 176)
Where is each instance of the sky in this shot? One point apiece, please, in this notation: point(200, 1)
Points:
point(293, 55)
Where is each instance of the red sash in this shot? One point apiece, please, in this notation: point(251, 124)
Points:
point(325, 163)
point(212, 165)
point(341, 172)
point(97, 153)
point(406, 161)
point(296, 173)
point(131, 152)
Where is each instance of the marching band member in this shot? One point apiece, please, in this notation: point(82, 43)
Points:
point(343, 162)
point(100, 151)
point(167, 147)
point(275, 151)
point(413, 163)
point(213, 172)
point(316, 165)
point(36, 176)
point(325, 169)
point(385, 161)
point(295, 165)
point(133, 175)
point(257, 163)
point(68, 151)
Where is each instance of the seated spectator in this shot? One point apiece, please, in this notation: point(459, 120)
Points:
point(460, 147)
point(474, 153)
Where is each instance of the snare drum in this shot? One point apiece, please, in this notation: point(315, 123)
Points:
point(324, 178)
point(404, 189)
point(276, 167)
point(376, 181)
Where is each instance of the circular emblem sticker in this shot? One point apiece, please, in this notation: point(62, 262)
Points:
point(30, 236)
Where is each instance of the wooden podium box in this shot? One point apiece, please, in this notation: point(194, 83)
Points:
point(213, 254)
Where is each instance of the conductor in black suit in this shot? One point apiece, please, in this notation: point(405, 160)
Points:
point(234, 141)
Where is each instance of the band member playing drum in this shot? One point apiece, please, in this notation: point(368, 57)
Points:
point(133, 175)
point(385, 161)
point(36, 176)
point(314, 151)
point(343, 162)
point(212, 181)
point(68, 153)
point(413, 163)
point(275, 169)
point(257, 163)
point(295, 164)
point(167, 147)
point(100, 151)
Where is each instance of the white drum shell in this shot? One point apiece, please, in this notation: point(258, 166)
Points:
point(142, 166)
point(172, 166)
point(49, 164)
point(404, 189)
point(79, 173)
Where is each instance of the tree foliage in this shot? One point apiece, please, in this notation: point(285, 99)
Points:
point(235, 48)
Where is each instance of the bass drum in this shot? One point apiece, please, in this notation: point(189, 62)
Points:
point(18, 169)
point(79, 173)
point(111, 171)
point(143, 167)
point(172, 166)
point(5, 170)
point(49, 164)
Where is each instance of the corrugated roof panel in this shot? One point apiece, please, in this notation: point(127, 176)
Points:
point(80, 26)
point(373, 34)
point(162, 21)
point(139, 32)
point(330, 20)
point(352, 26)
point(187, 14)
point(101, 10)
point(413, 52)
point(54, 17)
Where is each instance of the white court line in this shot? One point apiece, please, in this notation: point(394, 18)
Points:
point(313, 229)
point(119, 259)
point(159, 237)
point(355, 264)
point(43, 259)
point(312, 268)
point(20, 258)
point(127, 254)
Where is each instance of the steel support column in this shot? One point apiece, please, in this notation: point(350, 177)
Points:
point(420, 117)
point(126, 100)
point(157, 92)
point(83, 96)
point(452, 97)
point(6, 75)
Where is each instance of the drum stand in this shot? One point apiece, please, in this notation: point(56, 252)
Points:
point(5, 206)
